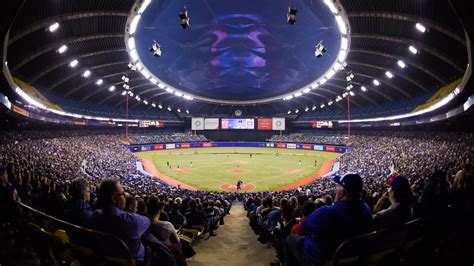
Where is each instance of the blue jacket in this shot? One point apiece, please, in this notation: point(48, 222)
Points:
point(327, 227)
point(127, 226)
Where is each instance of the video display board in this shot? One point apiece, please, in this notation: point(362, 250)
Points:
point(322, 124)
point(264, 124)
point(245, 123)
point(211, 123)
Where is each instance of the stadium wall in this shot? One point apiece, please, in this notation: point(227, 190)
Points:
point(277, 145)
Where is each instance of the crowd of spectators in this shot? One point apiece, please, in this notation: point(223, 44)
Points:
point(40, 167)
point(61, 174)
point(305, 138)
point(165, 138)
point(402, 175)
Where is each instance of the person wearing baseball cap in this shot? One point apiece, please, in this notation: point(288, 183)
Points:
point(327, 227)
point(400, 210)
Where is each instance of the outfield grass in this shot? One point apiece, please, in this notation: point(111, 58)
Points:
point(210, 168)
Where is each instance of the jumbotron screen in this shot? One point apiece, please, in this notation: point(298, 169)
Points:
point(237, 123)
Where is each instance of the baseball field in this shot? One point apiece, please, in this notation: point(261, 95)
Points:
point(219, 169)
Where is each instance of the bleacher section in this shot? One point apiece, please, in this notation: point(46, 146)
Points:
point(365, 112)
point(79, 107)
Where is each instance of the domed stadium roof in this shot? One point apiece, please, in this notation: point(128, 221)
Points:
point(238, 54)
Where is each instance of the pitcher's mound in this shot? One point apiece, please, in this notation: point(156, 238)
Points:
point(233, 187)
point(292, 170)
point(237, 171)
point(236, 162)
point(184, 170)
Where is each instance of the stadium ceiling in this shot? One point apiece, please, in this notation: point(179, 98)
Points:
point(95, 33)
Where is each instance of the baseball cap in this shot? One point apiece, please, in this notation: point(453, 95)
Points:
point(399, 184)
point(3, 169)
point(351, 182)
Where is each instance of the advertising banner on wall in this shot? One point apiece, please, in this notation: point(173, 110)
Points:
point(278, 123)
point(211, 123)
point(318, 147)
point(307, 147)
point(281, 145)
point(330, 148)
point(264, 124)
point(197, 123)
point(170, 146)
point(291, 146)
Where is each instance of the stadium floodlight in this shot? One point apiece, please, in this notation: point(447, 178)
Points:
point(401, 64)
point(376, 82)
point(125, 78)
point(420, 27)
point(306, 109)
point(352, 93)
point(338, 98)
point(179, 110)
point(297, 111)
point(153, 104)
point(126, 86)
point(291, 16)
point(53, 27)
point(320, 49)
point(62, 49)
point(330, 103)
point(350, 76)
point(363, 88)
point(344, 95)
point(169, 108)
point(343, 66)
point(145, 102)
point(322, 106)
point(86, 74)
point(160, 106)
point(112, 88)
point(169, 90)
point(412, 49)
point(184, 18)
point(132, 66)
point(130, 93)
point(289, 112)
point(314, 107)
point(73, 63)
point(124, 93)
point(349, 86)
point(155, 49)
point(389, 74)
point(187, 111)
point(99, 82)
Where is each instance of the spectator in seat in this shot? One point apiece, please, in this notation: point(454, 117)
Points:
point(113, 220)
point(77, 209)
point(176, 217)
point(164, 231)
point(8, 194)
point(197, 217)
point(131, 204)
point(327, 227)
point(400, 210)
point(308, 208)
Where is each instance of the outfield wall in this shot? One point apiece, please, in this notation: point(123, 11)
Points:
point(278, 145)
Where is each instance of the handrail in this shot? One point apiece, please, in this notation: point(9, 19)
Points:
point(68, 227)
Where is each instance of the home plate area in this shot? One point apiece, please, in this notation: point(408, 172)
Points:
point(233, 187)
